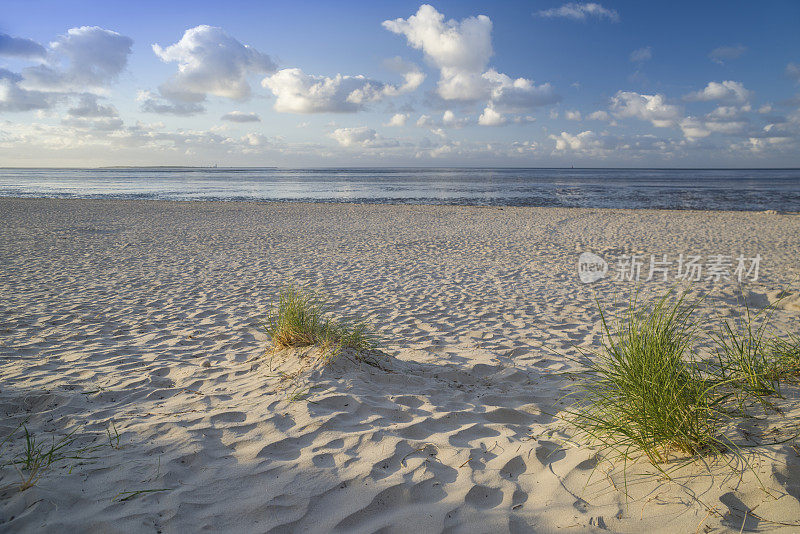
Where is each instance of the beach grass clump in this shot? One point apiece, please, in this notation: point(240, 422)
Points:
point(642, 396)
point(784, 358)
point(753, 359)
point(744, 357)
point(301, 319)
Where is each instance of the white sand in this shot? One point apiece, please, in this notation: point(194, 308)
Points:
point(146, 314)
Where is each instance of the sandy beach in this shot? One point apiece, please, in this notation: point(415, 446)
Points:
point(136, 325)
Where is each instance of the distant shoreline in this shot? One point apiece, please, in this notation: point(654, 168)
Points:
point(489, 168)
point(397, 205)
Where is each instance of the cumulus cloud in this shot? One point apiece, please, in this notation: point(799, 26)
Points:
point(84, 60)
point(641, 55)
point(211, 62)
point(516, 95)
point(652, 108)
point(150, 102)
point(361, 136)
point(19, 47)
point(727, 91)
point(572, 115)
point(412, 76)
point(95, 57)
point(398, 119)
point(241, 116)
point(583, 141)
point(461, 50)
point(693, 128)
point(449, 119)
point(490, 117)
point(298, 92)
point(726, 53)
point(580, 11)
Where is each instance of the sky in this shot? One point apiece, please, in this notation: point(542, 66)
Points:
point(542, 83)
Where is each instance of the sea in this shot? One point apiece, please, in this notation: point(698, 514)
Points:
point(707, 189)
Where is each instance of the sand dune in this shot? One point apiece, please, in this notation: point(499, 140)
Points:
point(144, 317)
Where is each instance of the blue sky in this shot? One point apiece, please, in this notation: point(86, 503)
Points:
point(539, 83)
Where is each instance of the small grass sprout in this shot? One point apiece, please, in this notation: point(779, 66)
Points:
point(113, 439)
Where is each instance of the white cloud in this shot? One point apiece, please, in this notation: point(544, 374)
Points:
point(652, 108)
point(425, 121)
point(298, 92)
point(412, 76)
point(725, 53)
point(572, 115)
point(524, 147)
point(211, 62)
point(461, 50)
point(490, 117)
point(464, 45)
point(726, 127)
point(241, 116)
point(84, 60)
point(581, 11)
point(693, 128)
point(599, 116)
point(641, 55)
point(361, 136)
point(398, 119)
point(582, 141)
point(726, 112)
point(95, 57)
point(727, 90)
point(516, 95)
point(20, 48)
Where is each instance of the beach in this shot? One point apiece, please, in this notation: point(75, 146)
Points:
point(137, 326)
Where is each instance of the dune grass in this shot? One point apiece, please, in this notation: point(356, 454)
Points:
point(301, 319)
point(645, 392)
point(641, 394)
point(785, 358)
point(743, 355)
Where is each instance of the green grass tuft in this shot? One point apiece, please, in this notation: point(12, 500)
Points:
point(785, 358)
point(641, 394)
point(301, 319)
point(744, 358)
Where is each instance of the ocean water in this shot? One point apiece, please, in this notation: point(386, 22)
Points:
point(716, 189)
